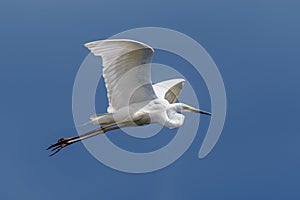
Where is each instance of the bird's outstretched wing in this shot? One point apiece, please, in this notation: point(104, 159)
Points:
point(169, 90)
point(126, 71)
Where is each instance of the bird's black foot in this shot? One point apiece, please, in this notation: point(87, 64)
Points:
point(63, 142)
point(60, 144)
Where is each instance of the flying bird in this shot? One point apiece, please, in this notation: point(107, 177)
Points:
point(133, 99)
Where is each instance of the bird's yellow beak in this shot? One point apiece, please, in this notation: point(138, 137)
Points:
point(195, 110)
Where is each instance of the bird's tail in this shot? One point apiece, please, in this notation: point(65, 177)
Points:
point(106, 118)
point(98, 119)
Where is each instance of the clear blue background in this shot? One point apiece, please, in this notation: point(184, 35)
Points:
point(256, 46)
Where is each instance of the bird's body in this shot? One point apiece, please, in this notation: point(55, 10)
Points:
point(154, 111)
point(133, 99)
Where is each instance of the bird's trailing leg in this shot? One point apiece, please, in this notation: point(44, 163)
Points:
point(63, 142)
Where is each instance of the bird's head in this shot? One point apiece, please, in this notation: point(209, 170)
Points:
point(176, 118)
point(181, 107)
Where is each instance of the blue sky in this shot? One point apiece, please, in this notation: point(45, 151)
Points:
point(256, 46)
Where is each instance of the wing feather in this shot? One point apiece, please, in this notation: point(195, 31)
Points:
point(169, 90)
point(126, 71)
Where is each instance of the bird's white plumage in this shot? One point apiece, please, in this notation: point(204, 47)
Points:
point(126, 71)
point(168, 90)
point(132, 97)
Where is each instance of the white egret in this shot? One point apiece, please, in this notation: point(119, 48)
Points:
point(133, 99)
